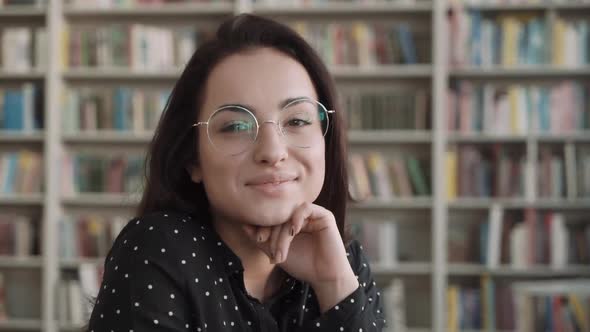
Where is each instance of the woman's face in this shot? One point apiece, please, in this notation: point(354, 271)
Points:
point(263, 184)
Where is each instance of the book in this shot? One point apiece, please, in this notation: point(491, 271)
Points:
point(123, 109)
point(139, 47)
point(374, 176)
point(101, 173)
point(379, 240)
point(88, 235)
point(365, 44)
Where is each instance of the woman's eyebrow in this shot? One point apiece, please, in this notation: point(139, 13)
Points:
point(252, 109)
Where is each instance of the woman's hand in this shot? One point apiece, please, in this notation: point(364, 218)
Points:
point(309, 248)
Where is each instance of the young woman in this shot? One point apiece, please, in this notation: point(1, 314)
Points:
point(241, 225)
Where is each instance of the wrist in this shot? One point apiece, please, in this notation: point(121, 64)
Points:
point(330, 293)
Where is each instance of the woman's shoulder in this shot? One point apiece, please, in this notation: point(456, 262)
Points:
point(161, 228)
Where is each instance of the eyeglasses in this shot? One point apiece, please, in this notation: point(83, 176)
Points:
point(233, 129)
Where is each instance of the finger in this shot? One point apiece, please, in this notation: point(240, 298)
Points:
point(263, 234)
point(274, 239)
point(286, 236)
point(251, 232)
point(316, 218)
point(300, 216)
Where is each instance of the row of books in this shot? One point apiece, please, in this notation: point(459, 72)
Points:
point(540, 305)
point(23, 48)
point(133, 3)
point(364, 44)
point(21, 107)
point(563, 173)
point(17, 236)
point(10, 3)
point(20, 294)
point(521, 240)
point(21, 172)
point(516, 109)
point(99, 173)
point(548, 239)
point(373, 176)
point(396, 109)
point(493, 171)
point(136, 46)
point(76, 294)
point(379, 240)
point(89, 235)
point(559, 305)
point(127, 109)
point(513, 39)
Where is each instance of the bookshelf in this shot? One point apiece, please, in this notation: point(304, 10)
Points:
point(428, 218)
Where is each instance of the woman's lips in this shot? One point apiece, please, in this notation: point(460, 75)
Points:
point(273, 188)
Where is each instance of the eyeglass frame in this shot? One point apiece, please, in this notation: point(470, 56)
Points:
point(258, 125)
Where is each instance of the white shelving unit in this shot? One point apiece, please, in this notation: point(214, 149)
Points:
point(437, 75)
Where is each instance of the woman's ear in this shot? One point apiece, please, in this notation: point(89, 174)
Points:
point(194, 171)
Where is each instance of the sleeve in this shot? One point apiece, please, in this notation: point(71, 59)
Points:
point(142, 287)
point(362, 310)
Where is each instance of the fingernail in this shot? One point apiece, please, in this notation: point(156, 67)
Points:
point(279, 256)
point(292, 231)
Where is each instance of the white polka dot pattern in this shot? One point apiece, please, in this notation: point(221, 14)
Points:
point(170, 272)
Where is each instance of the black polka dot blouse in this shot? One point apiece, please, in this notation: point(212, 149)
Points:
point(169, 272)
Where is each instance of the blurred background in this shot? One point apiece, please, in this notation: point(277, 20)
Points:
point(469, 139)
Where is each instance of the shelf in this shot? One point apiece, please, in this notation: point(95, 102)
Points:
point(102, 200)
point(410, 329)
point(486, 203)
point(153, 11)
point(561, 138)
point(25, 12)
point(519, 203)
point(339, 72)
point(396, 204)
point(21, 199)
point(529, 7)
point(520, 72)
point(342, 9)
point(32, 74)
point(21, 137)
point(389, 136)
point(120, 74)
point(381, 72)
point(74, 263)
point(19, 324)
point(478, 137)
point(70, 327)
point(108, 137)
point(459, 269)
point(400, 269)
point(20, 262)
point(563, 204)
point(457, 137)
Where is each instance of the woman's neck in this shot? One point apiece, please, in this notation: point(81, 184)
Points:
point(262, 279)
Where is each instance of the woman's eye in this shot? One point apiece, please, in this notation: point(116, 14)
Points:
point(298, 123)
point(236, 127)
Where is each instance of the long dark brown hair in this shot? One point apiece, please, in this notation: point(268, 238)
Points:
point(168, 185)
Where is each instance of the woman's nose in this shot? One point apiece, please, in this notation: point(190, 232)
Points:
point(270, 147)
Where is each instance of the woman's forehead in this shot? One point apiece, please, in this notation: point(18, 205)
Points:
point(261, 79)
